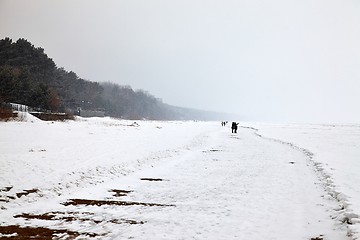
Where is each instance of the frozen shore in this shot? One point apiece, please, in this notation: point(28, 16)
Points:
point(104, 178)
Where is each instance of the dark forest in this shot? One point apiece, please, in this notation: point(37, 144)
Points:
point(28, 76)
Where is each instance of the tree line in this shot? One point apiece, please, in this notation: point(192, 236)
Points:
point(28, 76)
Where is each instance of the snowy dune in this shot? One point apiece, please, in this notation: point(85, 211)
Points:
point(103, 178)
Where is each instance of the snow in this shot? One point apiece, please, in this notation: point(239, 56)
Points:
point(336, 154)
point(284, 181)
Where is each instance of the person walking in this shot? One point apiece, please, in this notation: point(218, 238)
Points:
point(234, 127)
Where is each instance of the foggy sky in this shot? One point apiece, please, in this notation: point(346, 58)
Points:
point(279, 60)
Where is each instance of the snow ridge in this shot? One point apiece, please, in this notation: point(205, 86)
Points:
point(343, 213)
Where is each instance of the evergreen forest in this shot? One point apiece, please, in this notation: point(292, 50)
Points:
point(28, 76)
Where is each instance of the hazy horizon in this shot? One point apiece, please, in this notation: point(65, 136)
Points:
point(278, 61)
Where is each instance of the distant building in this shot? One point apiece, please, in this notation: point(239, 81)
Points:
point(91, 113)
point(19, 107)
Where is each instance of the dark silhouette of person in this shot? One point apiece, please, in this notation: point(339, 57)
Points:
point(234, 127)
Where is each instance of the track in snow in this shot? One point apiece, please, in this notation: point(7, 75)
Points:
point(237, 186)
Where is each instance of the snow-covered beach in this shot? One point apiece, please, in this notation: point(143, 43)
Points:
point(104, 178)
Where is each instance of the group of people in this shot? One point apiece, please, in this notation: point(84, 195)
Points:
point(234, 126)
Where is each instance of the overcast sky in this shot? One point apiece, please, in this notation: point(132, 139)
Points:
point(278, 60)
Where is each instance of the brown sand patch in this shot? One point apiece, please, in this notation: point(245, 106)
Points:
point(117, 203)
point(4, 198)
point(26, 192)
point(127, 221)
point(120, 193)
point(5, 189)
point(17, 232)
point(46, 216)
point(152, 179)
point(62, 216)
